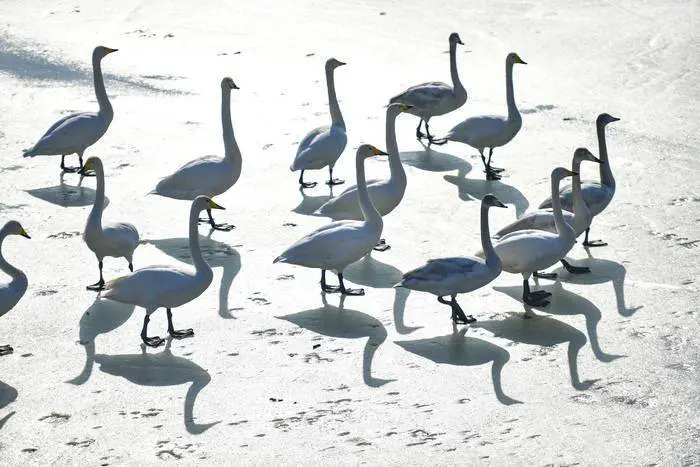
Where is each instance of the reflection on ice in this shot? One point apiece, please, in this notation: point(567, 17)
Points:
point(67, 196)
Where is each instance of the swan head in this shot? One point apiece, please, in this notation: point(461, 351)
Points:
point(454, 39)
point(201, 203)
point(332, 64)
point(227, 83)
point(367, 150)
point(605, 118)
point(102, 51)
point(93, 163)
point(15, 228)
point(491, 200)
point(583, 154)
point(561, 173)
point(515, 58)
point(397, 107)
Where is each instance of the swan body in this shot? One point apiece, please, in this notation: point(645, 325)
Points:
point(166, 286)
point(11, 292)
point(490, 131)
point(116, 239)
point(385, 194)
point(75, 133)
point(338, 244)
point(435, 98)
point(323, 146)
point(453, 276)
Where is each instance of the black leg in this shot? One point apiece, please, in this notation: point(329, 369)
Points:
point(99, 285)
point(154, 341)
point(592, 243)
point(427, 134)
point(6, 350)
point(419, 134)
point(131, 267)
point(333, 181)
point(574, 269)
point(305, 184)
point(177, 334)
point(545, 275)
point(534, 298)
point(345, 291)
point(492, 168)
point(325, 287)
point(458, 316)
point(382, 245)
point(214, 225)
point(490, 174)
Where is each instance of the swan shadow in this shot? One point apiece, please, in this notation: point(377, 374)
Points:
point(161, 369)
point(460, 350)
point(67, 196)
point(8, 395)
point(542, 331)
point(339, 322)
point(400, 297)
point(474, 190)
point(435, 161)
point(565, 303)
point(4, 419)
point(217, 254)
point(101, 317)
point(370, 272)
point(309, 204)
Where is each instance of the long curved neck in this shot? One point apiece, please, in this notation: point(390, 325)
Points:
point(368, 210)
point(233, 154)
point(336, 116)
point(200, 265)
point(100, 92)
point(513, 113)
point(95, 217)
point(562, 229)
point(6, 267)
point(486, 245)
point(580, 207)
point(606, 176)
point(397, 172)
point(456, 83)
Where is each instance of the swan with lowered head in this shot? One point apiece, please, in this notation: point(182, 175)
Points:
point(323, 146)
point(166, 286)
point(116, 239)
point(435, 98)
point(527, 251)
point(338, 244)
point(597, 195)
point(76, 132)
point(385, 194)
point(452, 276)
point(490, 131)
point(11, 292)
point(209, 175)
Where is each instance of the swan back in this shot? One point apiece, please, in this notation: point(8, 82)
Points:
point(13, 291)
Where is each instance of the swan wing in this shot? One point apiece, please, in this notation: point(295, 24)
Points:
point(148, 286)
point(206, 175)
point(595, 195)
point(479, 131)
point(71, 134)
point(120, 237)
point(347, 206)
point(541, 219)
point(322, 147)
point(425, 96)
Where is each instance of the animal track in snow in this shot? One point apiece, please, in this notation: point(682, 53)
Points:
point(64, 235)
point(55, 418)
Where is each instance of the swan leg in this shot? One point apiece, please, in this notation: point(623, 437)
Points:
point(333, 181)
point(69, 169)
point(490, 174)
point(575, 269)
point(427, 134)
point(382, 245)
point(154, 341)
point(545, 275)
point(6, 350)
point(177, 334)
point(592, 243)
point(345, 291)
point(492, 168)
point(99, 285)
point(534, 298)
point(458, 316)
point(419, 134)
point(325, 287)
point(305, 184)
point(214, 225)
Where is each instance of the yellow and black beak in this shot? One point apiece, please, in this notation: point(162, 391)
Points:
point(213, 205)
point(378, 152)
point(24, 233)
point(520, 60)
point(110, 50)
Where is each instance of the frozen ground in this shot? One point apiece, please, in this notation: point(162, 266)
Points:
point(608, 373)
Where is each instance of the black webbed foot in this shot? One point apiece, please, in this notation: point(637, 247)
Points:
point(154, 341)
point(334, 182)
point(491, 175)
point(497, 169)
point(571, 269)
point(545, 275)
point(330, 288)
point(181, 333)
point(594, 243)
point(308, 184)
point(6, 350)
point(97, 286)
point(353, 292)
point(382, 245)
point(221, 227)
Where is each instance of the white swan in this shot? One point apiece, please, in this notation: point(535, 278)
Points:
point(338, 244)
point(597, 195)
point(11, 292)
point(452, 276)
point(385, 194)
point(543, 219)
point(528, 251)
point(209, 175)
point(435, 98)
point(490, 131)
point(166, 286)
point(75, 133)
point(323, 146)
point(116, 239)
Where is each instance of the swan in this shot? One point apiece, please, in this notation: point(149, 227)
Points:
point(75, 133)
point(166, 286)
point(338, 244)
point(452, 276)
point(12, 292)
point(323, 146)
point(435, 98)
point(490, 131)
point(385, 194)
point(597, 195)
point(209, 175)
point(543, 219)
point(526, 251)
point(117, 239)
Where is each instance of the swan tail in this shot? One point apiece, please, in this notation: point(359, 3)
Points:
point(28, 152)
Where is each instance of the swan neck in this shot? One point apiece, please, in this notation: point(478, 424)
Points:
point(336, 116)
point(606, 176)
point(456, 83)
point(513, 113)
point(100, 92)
point(200, 265)
point(579, 204)
point(95, 217)
point(369, 212)
point(395, 166)
point(231, 150)
point(486, 244)
point(562, 228)
point(6, 267)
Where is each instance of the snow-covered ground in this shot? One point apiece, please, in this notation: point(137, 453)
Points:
point(608, 373)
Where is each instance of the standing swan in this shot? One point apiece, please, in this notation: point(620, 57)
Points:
point(385, 194)
point(490, 131)
point(209, 175)
point(597, 195)
point(117, 239)
point(543, 219)
point(12, 292)
point(452, 276)
point(435, 98)
point(528, 251)
point(338, 244)
point(323, 146)
point(166, 286)
point(75, 133)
